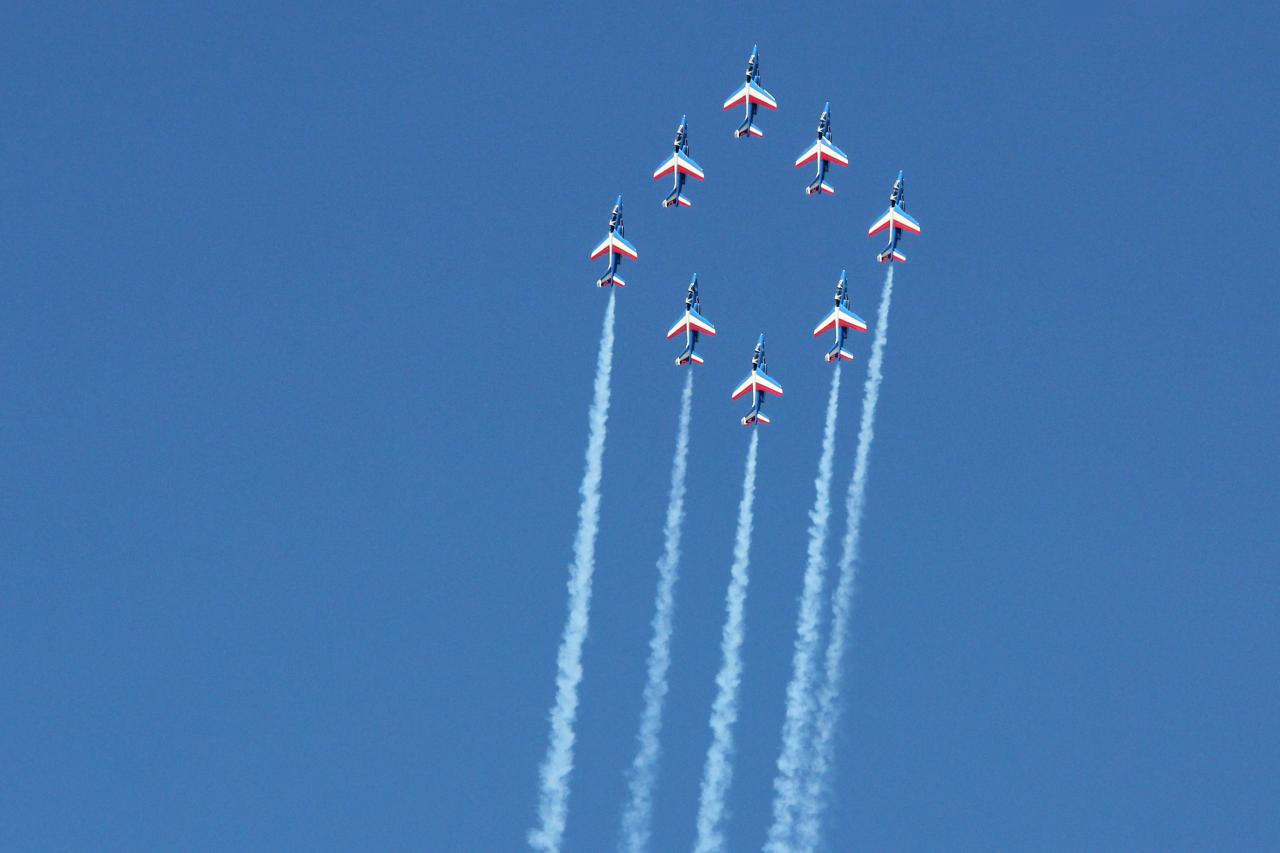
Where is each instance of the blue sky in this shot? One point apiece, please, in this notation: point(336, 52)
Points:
point(300, 331)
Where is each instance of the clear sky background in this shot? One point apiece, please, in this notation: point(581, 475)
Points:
point(299, 331)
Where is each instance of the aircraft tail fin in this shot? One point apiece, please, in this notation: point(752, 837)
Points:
point(819, 187)
point(839, 353)
point(611, 280)
point(748, 128)
point(891, 255)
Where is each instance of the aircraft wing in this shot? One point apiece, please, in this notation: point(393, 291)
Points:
point(904, 221)
point(679, 162)
point(767, 383)
point(751, 93)
point(810, 154)
point(695, 321)
point(896, 218)
point(619, 245)
point(757, 381)
point(830, 152)
point(840, 317)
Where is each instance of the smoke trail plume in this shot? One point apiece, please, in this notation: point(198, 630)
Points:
point(788, 783)
point(553, 800)
point(717, 773)
point(822, 753)
point(637, 817)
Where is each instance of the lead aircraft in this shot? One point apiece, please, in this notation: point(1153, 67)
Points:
point(824, 151)
point(758, 383)
point(895, 219)
point(753, 96)
point(841, 319)
point(692, 324)
point(616, 247)
point(679, 165)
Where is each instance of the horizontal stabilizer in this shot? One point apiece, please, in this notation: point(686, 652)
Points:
point(894, 255)
point(761, 417)
point(696, 359)
point(841, 353)
point(615, 280)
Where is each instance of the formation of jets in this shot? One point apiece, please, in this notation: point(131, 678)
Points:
point(680, 166)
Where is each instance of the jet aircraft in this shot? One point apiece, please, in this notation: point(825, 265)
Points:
point(841, 319)
point(679, 164)
point(758, 383)
point(692, 324)
point(896, 220)
point(753, 96)
point(824, 151)
point(616, 247)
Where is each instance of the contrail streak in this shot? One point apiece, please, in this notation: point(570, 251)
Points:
point(788, 784)
point(553, 801)
point(637, 818)
point(828, 713)
point(717, 773)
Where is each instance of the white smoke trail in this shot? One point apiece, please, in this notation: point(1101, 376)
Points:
point(553, 802)
point(788, 783)
point(822, 754)
point(717, 773)
point(637, 818)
